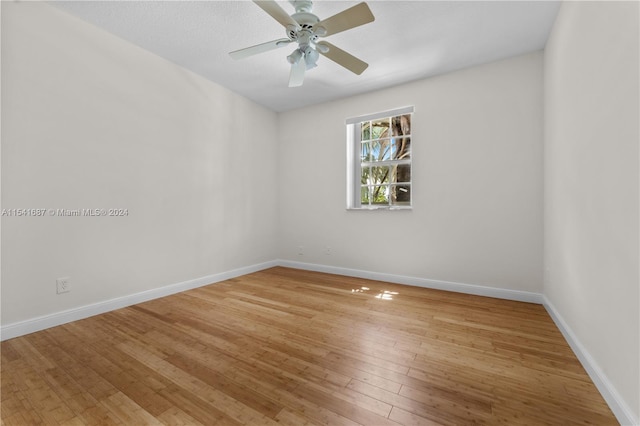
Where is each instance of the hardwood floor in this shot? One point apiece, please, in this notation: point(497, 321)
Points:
point(290, 347)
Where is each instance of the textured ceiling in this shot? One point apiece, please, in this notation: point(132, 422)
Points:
point(409, 40)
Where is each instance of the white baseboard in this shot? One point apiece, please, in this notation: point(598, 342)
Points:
point(32, 325)
point(499, 293)
point(619, 407)
point(21, 328)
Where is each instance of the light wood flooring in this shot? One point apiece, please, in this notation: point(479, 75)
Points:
point(290, 347)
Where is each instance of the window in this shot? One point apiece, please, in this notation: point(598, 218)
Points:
point(379, 160)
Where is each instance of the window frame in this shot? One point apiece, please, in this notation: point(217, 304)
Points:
point(354, 163)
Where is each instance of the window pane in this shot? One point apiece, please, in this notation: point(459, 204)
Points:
point(380, 128)
point(375, 150)
point(401, 148)
point(365, 152)
point(385, 150)
point(380, 150)
point(401, 173)
point(380, 194)
point(401, 195)
point(365, 131)
point(365, 175)
point(380, 175)
point(401, 125)
point(364, 195)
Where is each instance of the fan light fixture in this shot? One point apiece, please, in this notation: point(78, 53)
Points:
point(311, 57)
point(295, 57)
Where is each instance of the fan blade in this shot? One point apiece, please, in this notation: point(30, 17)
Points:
point(343, 58)
point(355, 16)
point(276, 12)
point(296, 77)
point(259, 48)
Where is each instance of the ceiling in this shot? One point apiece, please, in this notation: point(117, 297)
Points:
point(409, 40)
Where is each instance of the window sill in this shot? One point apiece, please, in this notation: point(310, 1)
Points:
point(380, 208)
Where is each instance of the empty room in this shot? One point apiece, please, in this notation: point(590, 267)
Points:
point(320, 213)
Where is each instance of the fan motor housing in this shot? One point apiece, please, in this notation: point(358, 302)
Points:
point(306, 22)
point(305, 18)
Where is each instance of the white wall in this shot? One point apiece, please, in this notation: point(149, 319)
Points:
point(477, 181)
point(91, 121)
point(591, 185)
point(213, 182)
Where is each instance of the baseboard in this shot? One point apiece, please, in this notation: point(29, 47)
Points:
point(499, 293)
point(619, 407)
point(21, 328)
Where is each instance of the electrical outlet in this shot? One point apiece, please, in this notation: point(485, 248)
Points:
point(62, 285)
point(300, 250)
point(327, 251)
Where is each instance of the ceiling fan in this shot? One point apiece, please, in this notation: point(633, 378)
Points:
point(304, 28)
